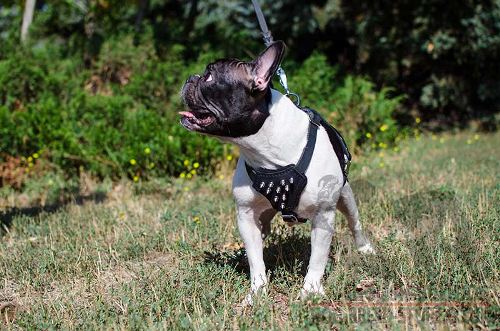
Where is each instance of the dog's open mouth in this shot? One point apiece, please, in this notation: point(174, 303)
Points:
point(194, 121)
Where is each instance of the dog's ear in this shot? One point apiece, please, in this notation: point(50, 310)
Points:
point(266, 64)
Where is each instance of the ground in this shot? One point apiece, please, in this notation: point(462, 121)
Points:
point(166, 254)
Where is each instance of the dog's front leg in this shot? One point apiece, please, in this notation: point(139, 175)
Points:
point(250, 229)
point(321, 238)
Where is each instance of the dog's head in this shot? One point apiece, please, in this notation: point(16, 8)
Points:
point(230, 98)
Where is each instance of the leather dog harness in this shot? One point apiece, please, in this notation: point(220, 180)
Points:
point(284, 186)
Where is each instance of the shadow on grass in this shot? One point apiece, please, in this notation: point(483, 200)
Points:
point(7, 216)
point(281, 253)
point(423, 214)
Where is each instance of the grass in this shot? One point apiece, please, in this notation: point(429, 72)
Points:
point(166, 254)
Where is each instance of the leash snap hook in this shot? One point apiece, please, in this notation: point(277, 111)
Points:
point(284, 82)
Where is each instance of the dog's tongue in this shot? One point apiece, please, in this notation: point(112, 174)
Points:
point(186, 114)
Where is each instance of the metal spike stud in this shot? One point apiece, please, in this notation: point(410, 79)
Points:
point(283, 197)
point(291, 180)
point(287, 188)
point(278, 189)
point(282, 182)
point(262, 184)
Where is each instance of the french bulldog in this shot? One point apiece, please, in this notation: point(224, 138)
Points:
point(233, 101)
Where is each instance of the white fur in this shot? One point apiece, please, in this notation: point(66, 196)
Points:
point(280, 142)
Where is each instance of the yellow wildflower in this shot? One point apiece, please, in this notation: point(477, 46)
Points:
point(381, 164)
point(229, 157)
point(147, 150)
point(368, 135)
point(418, 120)
point(384, 127)
point(189, 176)
point(469, 141)
point(36, 156)
point(441, 140)
point(182, 175)
point(476, 137)
point(193, 172)
point(30, 164)
point(136, 179)
point(30, 159)
point(221, 176)
point(196, 165)
point(430, 47)
point(196, 219)
point(133, 162)
point(186, 162)
point(151, 165)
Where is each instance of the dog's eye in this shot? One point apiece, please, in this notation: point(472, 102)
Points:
point(208, 77)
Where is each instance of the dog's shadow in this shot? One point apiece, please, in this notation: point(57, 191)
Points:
point(282, 253)
point(7, 216)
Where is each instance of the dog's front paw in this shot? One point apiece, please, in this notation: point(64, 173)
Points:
point(311, 288)
point(250, 297)
point(366, 249)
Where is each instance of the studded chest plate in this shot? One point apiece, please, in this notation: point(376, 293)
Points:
point(282, 187)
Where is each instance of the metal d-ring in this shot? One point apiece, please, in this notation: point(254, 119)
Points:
point(297, 98)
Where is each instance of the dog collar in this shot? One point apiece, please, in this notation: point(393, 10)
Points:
point(284, 186)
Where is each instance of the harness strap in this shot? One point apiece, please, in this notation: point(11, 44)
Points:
point(340, 148)
point(312, 133)
point(307, 153)
point(283, 187)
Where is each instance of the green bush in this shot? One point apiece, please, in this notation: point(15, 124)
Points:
point(95, 120)
point(118, 117)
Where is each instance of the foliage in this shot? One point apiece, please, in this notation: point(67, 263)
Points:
point(363, 115)
point(98, 83)
point(115, 118)
point(444, 56)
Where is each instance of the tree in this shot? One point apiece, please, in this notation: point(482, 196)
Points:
point(29, 9)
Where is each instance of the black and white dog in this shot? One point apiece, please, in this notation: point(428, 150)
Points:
point(233, 101)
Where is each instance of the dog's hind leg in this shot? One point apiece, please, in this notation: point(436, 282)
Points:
point(347, 206)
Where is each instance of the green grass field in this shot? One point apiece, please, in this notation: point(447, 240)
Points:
point(167, 255)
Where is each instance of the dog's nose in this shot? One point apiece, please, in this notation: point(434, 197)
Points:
point(192, 78)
